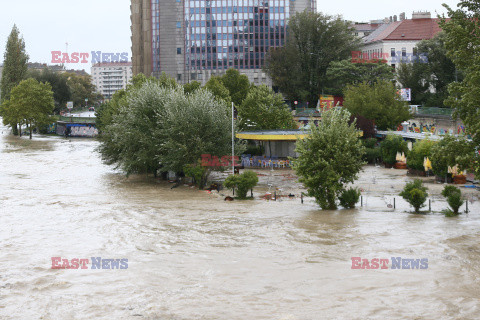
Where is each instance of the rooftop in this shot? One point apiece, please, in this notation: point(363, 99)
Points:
point(406, 30)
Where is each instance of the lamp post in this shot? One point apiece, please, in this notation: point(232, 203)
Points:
point(233, 139)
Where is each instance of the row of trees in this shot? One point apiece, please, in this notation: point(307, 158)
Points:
point(29, 97)
point(317, 59)
point(156, 126)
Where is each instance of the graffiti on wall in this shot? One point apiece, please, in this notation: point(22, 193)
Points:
point(420, 127)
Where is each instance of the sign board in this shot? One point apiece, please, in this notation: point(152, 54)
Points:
point(326, 102)
point(405, 94)
point(70, 105)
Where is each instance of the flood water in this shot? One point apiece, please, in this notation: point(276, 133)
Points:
point(193, 256)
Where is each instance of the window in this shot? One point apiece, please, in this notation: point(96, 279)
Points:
point(392, 52)
point(179, 25)
point(393, 66)
point(404, 52)
point(179, 50)
point(179, 77)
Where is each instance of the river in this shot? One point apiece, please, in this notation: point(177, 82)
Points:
point(193, 256)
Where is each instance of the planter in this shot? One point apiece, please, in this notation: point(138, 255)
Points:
point(401, 166)
point(388, 165)
point(461, 179)
point(416, 172)
point(442, 179)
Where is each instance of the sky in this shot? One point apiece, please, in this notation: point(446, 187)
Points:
point(104, 25)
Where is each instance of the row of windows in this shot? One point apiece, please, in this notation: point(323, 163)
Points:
point(259, 21)
point(233, 10)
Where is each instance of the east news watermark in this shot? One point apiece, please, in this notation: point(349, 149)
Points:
point(393, 263)
point(93, 263)
point(93, 57)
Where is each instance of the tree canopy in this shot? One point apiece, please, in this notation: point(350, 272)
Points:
point(429, 79)
point(14, 68)
point(155, 127)
point(345, 72)
point(462, 40)
point(30, 103)
point(329, 158)
point(379, 102)
point(264, 109)
point(299, 69)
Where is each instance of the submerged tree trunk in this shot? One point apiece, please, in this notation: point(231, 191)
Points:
point(31, 129)
point(15, 129)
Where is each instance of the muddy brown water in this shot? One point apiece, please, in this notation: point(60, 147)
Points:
point(193, 256)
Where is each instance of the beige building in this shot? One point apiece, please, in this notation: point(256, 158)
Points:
point(396, 41)
point(111, 77)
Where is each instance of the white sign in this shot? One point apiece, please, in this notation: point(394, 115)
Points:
point(406, 94)
point(70, 105)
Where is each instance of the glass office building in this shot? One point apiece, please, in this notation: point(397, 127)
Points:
point(222, 34)
point(195, 39)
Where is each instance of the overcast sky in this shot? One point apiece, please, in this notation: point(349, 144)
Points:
point(104, 25)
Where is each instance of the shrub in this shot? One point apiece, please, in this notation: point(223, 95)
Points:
point(421, 150)
point(391, 146)
point(451, 151)
point(454, 199)
point(415, 193)
point(242, 183)
point(349, 198)
point(198, 173)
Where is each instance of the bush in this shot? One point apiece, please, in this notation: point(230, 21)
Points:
point(454, 199)
point(415, 193)
point(451, 151)
point(421, 150)
point(198, 173)
point(349, 198)
point(242, 183)
point(391, 146)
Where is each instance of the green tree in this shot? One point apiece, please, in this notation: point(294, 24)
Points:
point(191, 86)
point(379, 102)
point(108, 110)
point(421, 149)
point(345, 72)
point(14, 67)
point(219, 91)
point(264, 109)
point(193, 125)
point(452, 151)
point(299, 69)
point(159, 128)
point(415, 193)
point(436, 72)
point(454, 199)
point(242, 183)
point(81, 88)
point(61, 91)
point(392, 145)
point(329, 158)
point(237, 85)
point(462, 42)
point(30, 103)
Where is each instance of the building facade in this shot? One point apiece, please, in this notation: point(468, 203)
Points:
point(396, 42)
point(111, 77)
point(191, 40)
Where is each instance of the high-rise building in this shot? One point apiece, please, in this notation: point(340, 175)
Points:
point(195, 39)
point(109, 77)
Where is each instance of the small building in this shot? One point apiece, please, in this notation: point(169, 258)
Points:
point(277, 143)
